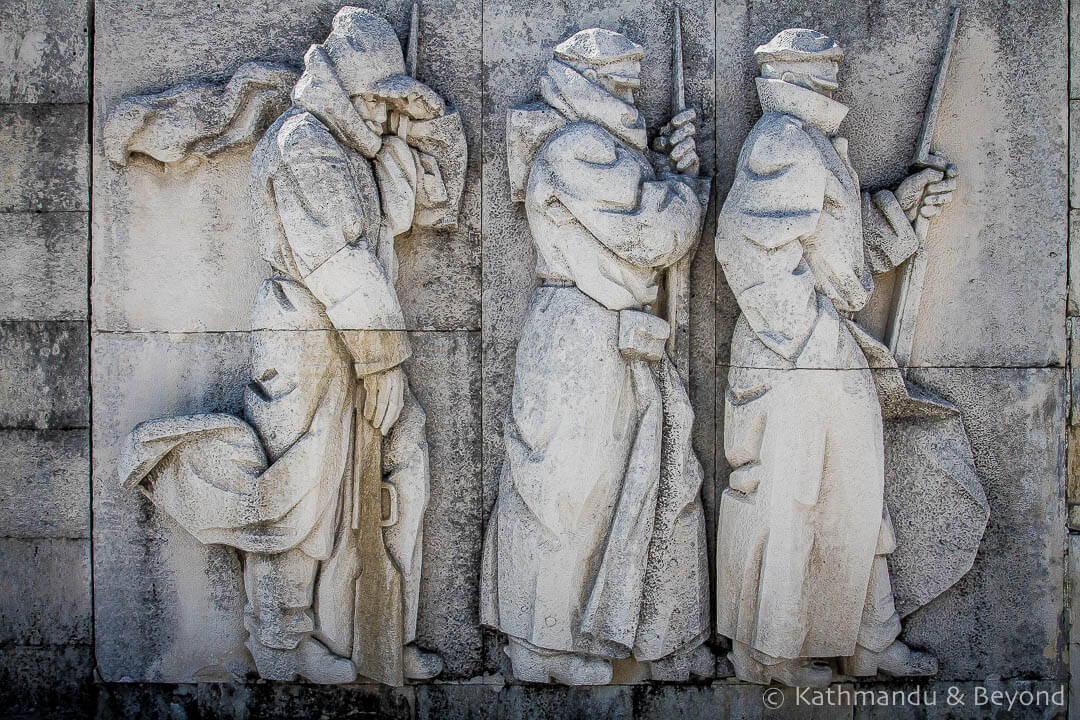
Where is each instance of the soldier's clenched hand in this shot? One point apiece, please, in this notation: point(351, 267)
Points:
point(925, 192)
point(384, 396)
point(676, 139)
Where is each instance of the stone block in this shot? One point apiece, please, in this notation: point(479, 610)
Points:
point(1073, 557)
point(43, 368)
point(47, 681)
point(1073, 307)
point(985, 302)
point(1072, 327)
point(43, 266)
point(1074, 158)
point(1074, 53)
point(45, 596)
point(167, 608)
point(45, 483)
point(1005, 617)
point(46, 158)
point(43, 51)
point(173, 250)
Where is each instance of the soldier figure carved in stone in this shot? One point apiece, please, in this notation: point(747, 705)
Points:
point(332, 578)
point(801, 554)
point(595, 549)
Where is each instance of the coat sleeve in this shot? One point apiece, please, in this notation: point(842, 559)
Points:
point(645, 220)
point(323, 220)
point(776, 199)
point(889, 237)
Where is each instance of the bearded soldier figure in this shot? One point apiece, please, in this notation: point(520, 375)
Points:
point(804, 531)
point(353, 164)
point(595, 550)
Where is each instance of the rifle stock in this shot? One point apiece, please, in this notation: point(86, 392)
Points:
point(378, 625)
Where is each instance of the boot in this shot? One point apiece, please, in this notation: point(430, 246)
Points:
point(420, 664)
point(678, 667)
point(315, 663)
point(899, 660)
point(531, 665)
point(796, 672)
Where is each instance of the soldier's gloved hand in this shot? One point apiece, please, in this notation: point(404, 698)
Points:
point(925, 192)
point(676, 140)
point(384, 396)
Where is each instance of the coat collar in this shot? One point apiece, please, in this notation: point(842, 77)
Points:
point(578, 98)
point(320, 93)
point(822, 112)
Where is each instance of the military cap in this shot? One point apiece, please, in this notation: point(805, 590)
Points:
point(597, 46)
point(798, 45)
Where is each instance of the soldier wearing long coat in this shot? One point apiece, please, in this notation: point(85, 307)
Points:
point(333, 182)
point(804, 531)
point(596, 547)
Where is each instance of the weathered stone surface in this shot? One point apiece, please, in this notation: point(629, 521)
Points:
point(272, 701)
point(43, 266)
point(46, 157)
point(1005, 616)
point(984, 303)
point(1074, 158)
point(1073, 580)
point(43, 368)
point(444, 373)
point(989, 698)
point(47, 681)
point(43, 49)
point(174, 606)
point(45, 483)
point(45, 597)
point(1073, 307)
point(192, 222)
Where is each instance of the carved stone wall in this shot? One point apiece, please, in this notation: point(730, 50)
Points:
point(143, 311)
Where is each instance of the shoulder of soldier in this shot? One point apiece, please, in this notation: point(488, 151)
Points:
point(777, 141)
point(301, 134)
point(580, 142)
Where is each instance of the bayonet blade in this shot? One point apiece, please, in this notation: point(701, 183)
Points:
point(678, 96)
point(923, 156)
point(412, 53)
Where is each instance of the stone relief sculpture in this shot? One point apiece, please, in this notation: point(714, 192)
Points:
point(323, 485)
point(595, 549)
point(807, 534)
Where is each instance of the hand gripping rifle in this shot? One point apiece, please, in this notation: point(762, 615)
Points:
point(908, 293)
point(677, 276)
point(378, 605)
